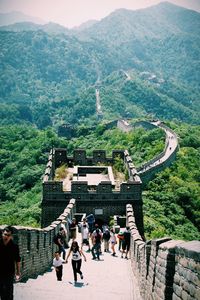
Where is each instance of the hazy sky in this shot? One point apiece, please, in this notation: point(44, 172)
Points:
point(74, 12)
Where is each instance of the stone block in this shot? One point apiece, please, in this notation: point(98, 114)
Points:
point(177, 279)
point(184, 295)
point(192, 290)
point(177, 290)
point(190, 249)
point(197, 293)
point(175, 297)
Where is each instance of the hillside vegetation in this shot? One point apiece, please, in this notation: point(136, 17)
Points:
point(145, 64)
point(171, 201)
point(48, 78)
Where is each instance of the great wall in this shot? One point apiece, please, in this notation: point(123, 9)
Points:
point(164, 268)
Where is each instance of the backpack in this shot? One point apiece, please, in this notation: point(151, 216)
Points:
point(106, 235)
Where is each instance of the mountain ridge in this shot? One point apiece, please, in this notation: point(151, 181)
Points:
point(16, 17)
point(62, 69)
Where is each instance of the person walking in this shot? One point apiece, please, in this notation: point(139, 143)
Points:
point(76, 259)
point(58, 265)
point(9, 264)
point(106, 238)
point(59, 240)
point(72, 229)
point(65, 234)
point(96, 241)
point(113, 241)
point(90, 220)
point(120, 239)
point(126, 242)
point(85, 234)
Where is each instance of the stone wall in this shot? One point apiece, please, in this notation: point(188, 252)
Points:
point(144, 124)
point(36, 245)
point(165, 269)
point(158, 163)
point(103, 197)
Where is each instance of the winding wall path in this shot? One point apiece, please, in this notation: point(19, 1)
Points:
point(148, 170)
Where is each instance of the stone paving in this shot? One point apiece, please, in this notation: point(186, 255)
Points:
point(109, 278)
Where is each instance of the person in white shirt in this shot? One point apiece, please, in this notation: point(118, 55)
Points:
point(58, 265)
point(85, 234)
point(76, 259)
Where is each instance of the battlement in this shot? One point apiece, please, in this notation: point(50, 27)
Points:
point(36, 244)
point(164, 268)
point(92, 182)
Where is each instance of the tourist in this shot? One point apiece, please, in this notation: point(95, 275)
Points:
point(72, 229)
point(106, 238)
point(126, 242)
point(59, 240)
point(9, 264)
point(120, 237)
point(65, 234)
point(76, 259)
point(90, 220)
point(85, 234)
point(58, 265)
point(96, 241)
point(113, 241)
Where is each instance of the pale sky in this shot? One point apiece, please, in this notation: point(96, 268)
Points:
point(71, 13)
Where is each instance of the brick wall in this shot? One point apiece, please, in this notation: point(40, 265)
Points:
point(165, 269)
point(36, 245)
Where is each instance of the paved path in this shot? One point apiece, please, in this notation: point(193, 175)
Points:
point(109, 278)
point(172, 145)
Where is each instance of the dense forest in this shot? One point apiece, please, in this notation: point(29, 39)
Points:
point(145, 64)
point(48, 78)
point(171, 200)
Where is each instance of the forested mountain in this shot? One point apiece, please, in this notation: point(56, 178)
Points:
point(49, 78)
point(158, 38)
point(144, 63)
point(16, 17)
point(171, 201)
point(50, 27)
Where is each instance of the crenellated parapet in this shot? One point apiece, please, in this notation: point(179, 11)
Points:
point(93, 184)
point(79, 157)
point(165, 269)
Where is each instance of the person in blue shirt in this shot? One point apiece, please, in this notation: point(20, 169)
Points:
point(90, 220)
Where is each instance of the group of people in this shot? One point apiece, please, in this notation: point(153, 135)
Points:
point(94, 238)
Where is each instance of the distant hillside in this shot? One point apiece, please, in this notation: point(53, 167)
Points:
point(16, 17)
point(51, 28)
point(85, 25)
point(164, 38)
point(49, 74)
point(157, 22)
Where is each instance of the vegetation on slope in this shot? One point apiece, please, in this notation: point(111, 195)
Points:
point(47, 79)
point(171, 201)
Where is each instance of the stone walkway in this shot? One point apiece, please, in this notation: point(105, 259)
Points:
point(109, 278)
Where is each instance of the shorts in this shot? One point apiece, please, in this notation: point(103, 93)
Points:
point(125, 246)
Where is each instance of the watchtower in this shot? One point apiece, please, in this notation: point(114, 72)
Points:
point(94, 185)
